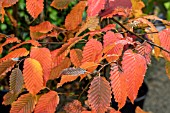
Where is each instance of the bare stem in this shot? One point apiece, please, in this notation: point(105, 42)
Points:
point(145, 39)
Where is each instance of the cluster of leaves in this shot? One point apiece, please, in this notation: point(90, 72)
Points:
point(120, 48)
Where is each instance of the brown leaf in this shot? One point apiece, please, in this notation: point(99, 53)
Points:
point(9, 98)
point(16, 81)
point(6, 66)
point(60, 4)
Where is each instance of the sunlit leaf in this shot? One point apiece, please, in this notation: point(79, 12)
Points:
point(34, 7)
point(15, 54)
point(76, 15)
point(47, 103)
point(43, 55)
point(33, 75)
point(119, 86)
point(139, 110)
point(92, 51)
point(167, 68)
point(76, 57)
point(134, 72)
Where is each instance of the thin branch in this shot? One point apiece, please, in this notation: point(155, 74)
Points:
point(145, 39)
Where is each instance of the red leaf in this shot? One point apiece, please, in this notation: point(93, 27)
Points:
point(47, 103)
point(6, 66)
point(33, 75)
point(33, 42)
point(134, 72)
point(15, 54)
point(99, 94)
point(76, 57)
point(119, 86)
point(117, 7)
point(43, 27)
point(60, 4)
point(94, 7)
point(92, 51)
point(74, 107)
point(43, 55)
point(164, 36)
point(24, 104)
point(34, 7)
point(76, 15)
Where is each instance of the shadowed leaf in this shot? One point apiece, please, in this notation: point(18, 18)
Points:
point(99, 94)
point(76, 57)
point(24, 104)
point(60, 4)
point(9, 98)
point(16, 81)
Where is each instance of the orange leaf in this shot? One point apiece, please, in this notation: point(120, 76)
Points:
point(137, 6)
point(34, 7)
point(60, 4)
point(119, 86)
point(16, 81)
point(9, 98)
point(139, 110)
point(6, 66)
point(11, 40)
point(33, 42)
point(33, 75)
point(43, 55)
point(67, 78)
point(76, 57)
point(74, 107)
point(47, 103)
point(134, 72)
point(92, 51)
point(76, 15)
point(55, 72)
point(167, 68)
point(15, 54)
point(24, 104)
point(8, 3)
point(99, 94)
point(43, 27)
point(94, 7)
point(164, 36)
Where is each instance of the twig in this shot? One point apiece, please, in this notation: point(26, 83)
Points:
point(145, 39)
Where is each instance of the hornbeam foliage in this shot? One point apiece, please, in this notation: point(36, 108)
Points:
point(90, 42)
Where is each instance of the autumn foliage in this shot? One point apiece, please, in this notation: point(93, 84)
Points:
point(116, 45)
